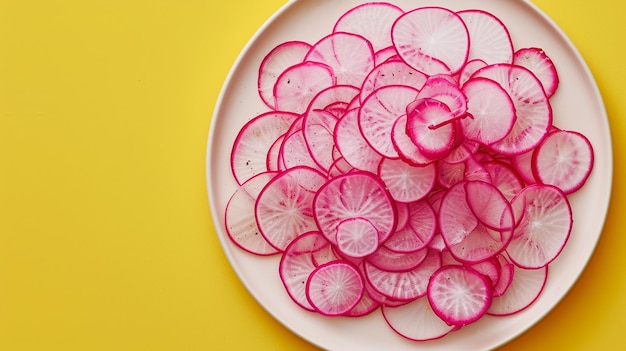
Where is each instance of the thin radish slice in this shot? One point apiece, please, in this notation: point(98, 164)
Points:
point(459, 295)
point(294, 152)
point(523, 165)
point(490, 39)
point(318, 130)
point(445, 89)
point(419, 230)
point(544, 218)
point(379, 112)
point(273, 160)
point(365, 306)
point(284, 208)
point(491, 109)
point(505, 279)
point(297, 264)
point(350, 56)
point(393, 261)
point(563, 159)
point(525, 288)
point(489, 205)
point(354, 195)
point(392, 73)
point(381, 299)
point(505, 178)
point(239, 219)
point(434, 32)
point(339, 167)
point(255, 139)
point(406, 149)
point(416, 320)
point(334, 288)
point(372, 20)
point(431, 126)
point(334, 98)
point(357, 237)
point(469, 69)
point(405, 182)
point(532, 107)
point(296, 87)
point(283, 56)
point(404, 285)
point(536, 60)
point(353, 146)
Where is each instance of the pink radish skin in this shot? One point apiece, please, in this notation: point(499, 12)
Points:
point(334, 288)
point(490, 39)
point(431, 126)
point(373, 21)
point(393, 261)
point(536, 60)
point(357, 237)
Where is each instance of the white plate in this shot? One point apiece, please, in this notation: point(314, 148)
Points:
point(577, 106)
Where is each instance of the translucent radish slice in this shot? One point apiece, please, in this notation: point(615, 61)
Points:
point(523, 165)
point(365, 306)
point(490, 39)
point(416, 320)
point(563, 159)
point(489, 205)
point(354, 195)
point(273, 161)
point(339, 167)
point(526, 286)
point(294, 151)
point(379, 112)
point(240, 220)
point(491, 109)
point(402, 143)
point(469, 69)
point(419, 230)
point(353, 146)
point(318, 130)
point(334, 288)
point(392, 73)
point(381, 299)
point(459, 295)
point(255, 139)
point(544, 219)
point(435, 32)
point(357, 237)
point(532, 107)
point(280, 58)
point(334, 98)
point(505, 279)
point(405, 182)
point(404, 286)
point(372, 20)
point(297, 264)
point(284, 208)
point(536, 60)
point(296, 87)
point(505, 178)
point(350, 56)
point(445, 89)
point(430, 125)
point(393, 261)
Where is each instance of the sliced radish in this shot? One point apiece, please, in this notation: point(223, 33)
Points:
point(404, 146)
point(459, 295)
point(392, 73)
point(318, 130)
point(433, 32)
point(524, 289)
point(563, 159)
point(417, 232)
point(445, 89)
point(372, 20)
point(490, 39)
point(393, 261)
point(334, 288)
point(505, 178)
point(249, 154)
point(505, 278)
point(284, 208)
point(489, 205)
point(405, 182)
point(283, 56)
point(354, 195)
point(353, 146)
point(350, 56)
point(333, 99)
point(469, 69)
point(294, 151)
point(296, 87)
point(544, 218)
point(523, 165)
point(431, 126)
point(536, 60)
point(357, 237)
point(416, 321)
point(379, 112)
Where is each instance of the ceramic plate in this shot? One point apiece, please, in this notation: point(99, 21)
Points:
point(576, 106)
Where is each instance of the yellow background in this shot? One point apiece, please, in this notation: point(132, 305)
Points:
point(106, 241)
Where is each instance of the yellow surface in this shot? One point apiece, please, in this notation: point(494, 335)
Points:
point(106, 242)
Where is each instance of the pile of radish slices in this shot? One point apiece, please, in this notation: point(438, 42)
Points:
point(408, 163)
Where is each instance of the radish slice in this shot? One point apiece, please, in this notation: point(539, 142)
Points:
point(297, 264)
point(240, 221)
point(350, 57)
point(490, 39)
point(433, 32)
point(525, 288)
point(354, 195)
point(430, 125)
point(334, 288)
point(333, 99)
point(445, 89)
point(393, 261)
point(284, 207)
point(459, 295)
point(249, 154)
point(296, 87)
point(280, 58)
point(563, 159)
point(294, 151)
point(378, 114)
point(505, 178)
point(418, 230)
point(491, 109)
point(353, 146)
point(545, 222)
point(372, 20)
point(392, 73)
point(469, 69)
point(416, 321)
point(541, 65)
point(357, 237)
point(489, 205)
point(407, 183)
point(505, 279)
point(402, 143)
point(318, 130)
point(523, 165)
